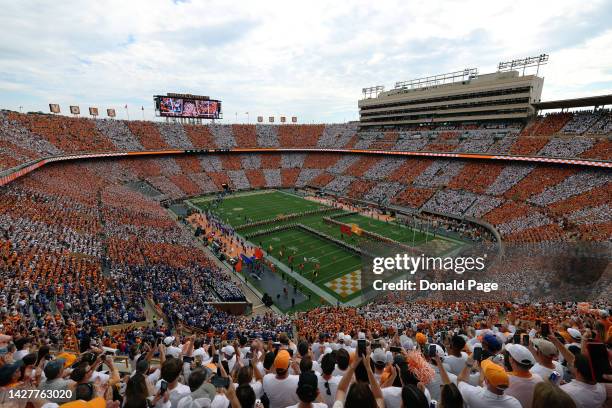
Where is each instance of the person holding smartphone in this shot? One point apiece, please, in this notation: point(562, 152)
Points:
point(522, 380)
point(545, 353)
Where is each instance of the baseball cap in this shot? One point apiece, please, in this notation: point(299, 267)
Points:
point(494, 374)
point(545, 347)
point(406, 342)
point(7, 371)
point(169, 340)
point(520, 354)
point(282, 360)
point(379, 356)
point(53, 368)
point(229, 350)
point(440, 351)
point(492, 342)
point(575, 334)
point(421, 338)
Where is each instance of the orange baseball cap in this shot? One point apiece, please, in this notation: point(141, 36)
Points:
point(495, 374)
point(421, 338)
point(282, 360)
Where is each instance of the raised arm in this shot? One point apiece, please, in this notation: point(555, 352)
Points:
point(347, 378)
point(443, 374)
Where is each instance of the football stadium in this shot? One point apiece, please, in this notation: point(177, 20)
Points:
point(189, 260)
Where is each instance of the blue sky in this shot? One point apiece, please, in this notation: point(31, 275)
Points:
point(305, 58)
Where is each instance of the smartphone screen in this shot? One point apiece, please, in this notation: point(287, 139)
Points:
point(516, 339)
point(361, 348)
point(163, 386)
point(477, 353)
point(545, 329)
point(220, 382)
point(525, 340)
point(395, 349)
point(432, 350)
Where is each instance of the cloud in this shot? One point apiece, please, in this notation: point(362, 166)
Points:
point(309, 59)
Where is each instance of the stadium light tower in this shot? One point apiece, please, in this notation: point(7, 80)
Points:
point(541, 59)
point(372, 91)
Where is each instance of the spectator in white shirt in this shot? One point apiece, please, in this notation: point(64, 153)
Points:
point(342, 362)
point(545, 353)
point(328, 384)
point(170, 373)
point(23, 348)
point(280, 387)
point(308, 391)
point(584, 390)
point(496, 381)
point(522, 381)
point(360, 394)
point(171, 349)
point(456, 357)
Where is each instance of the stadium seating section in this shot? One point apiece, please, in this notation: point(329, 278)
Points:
point(71, 231)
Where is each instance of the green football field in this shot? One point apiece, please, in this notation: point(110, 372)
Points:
point(330, 266)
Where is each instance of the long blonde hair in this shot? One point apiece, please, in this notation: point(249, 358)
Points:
point(546, 395)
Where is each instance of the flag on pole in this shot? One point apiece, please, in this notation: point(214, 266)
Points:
point(355, 229)
point(345, 229)
point(239, 265)
point(258, 253)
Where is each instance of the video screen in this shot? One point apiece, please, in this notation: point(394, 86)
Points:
point(189, 108)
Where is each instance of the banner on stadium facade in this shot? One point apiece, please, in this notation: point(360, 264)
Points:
point(75, 110)
point(283, 119)
point(271, 119)
point(93, 111)
point(260, 119)
point(355, 229)
point(110, 113)
point(54, 108)
point(294, 119)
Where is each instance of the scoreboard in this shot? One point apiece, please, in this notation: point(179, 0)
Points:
point(187, 106)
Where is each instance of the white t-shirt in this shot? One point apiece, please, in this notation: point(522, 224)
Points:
point(256, 386)
point(456, 364)
point(314, 405)
point(281, 392)
point(545, 372)
point(393, 396)
point(434, 387)
point(338, 372)
point(333, 387)
point(174, 351)
point(522, 388)
point(479, 397)
point(586, 395)
point(176, 394)
point(20, 354)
